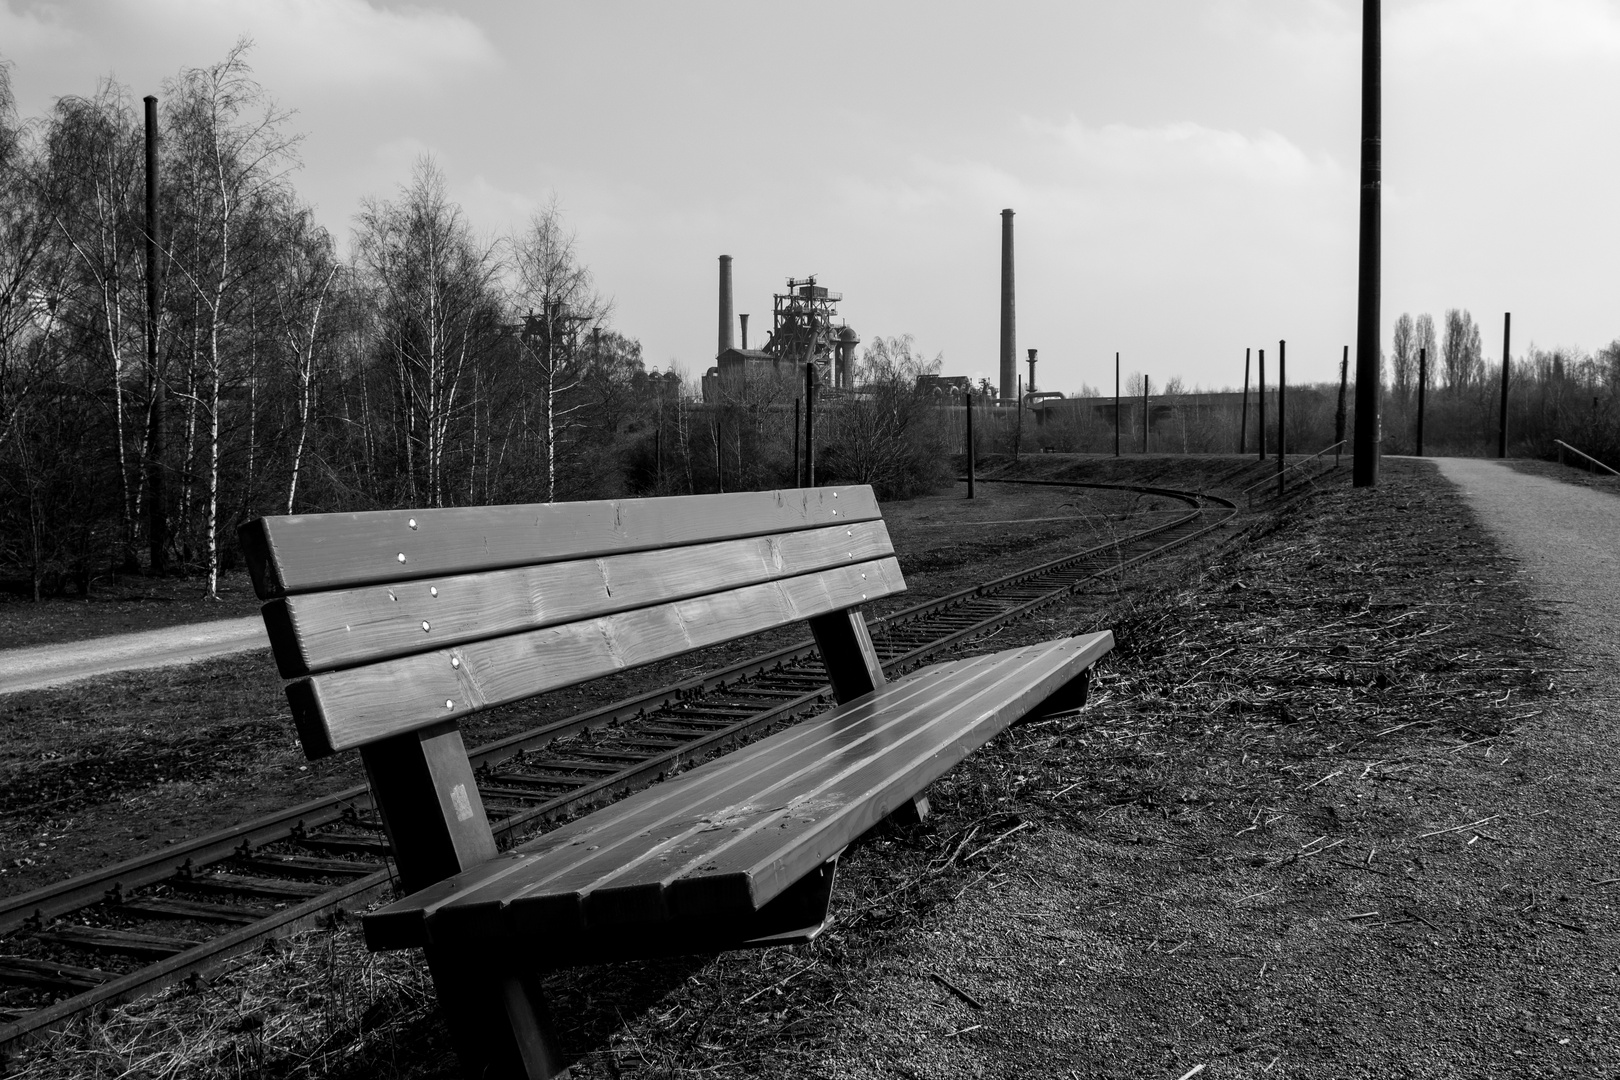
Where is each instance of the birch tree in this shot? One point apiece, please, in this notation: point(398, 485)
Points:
point(233, 154)
point(433, 288)
point(90, 194)
point(554, 289)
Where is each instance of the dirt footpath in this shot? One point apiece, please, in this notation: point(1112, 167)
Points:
point(1567, 539)
point(57, 664)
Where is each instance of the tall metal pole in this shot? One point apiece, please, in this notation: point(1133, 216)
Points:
point(1009, 331)
point(1262, 395)
point(1423, 387)
point(1282, 413)
point(1116, 404)
point(157, 540)
point(1243, 424)
point(1344, 383)
point(1369, 388)
point(970, 448)
point(1018, 426)
point(1501, 427)
point(798, 462)
point(1144, 414)
point(810, 424)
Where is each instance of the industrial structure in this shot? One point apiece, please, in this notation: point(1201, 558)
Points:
point(803, 332)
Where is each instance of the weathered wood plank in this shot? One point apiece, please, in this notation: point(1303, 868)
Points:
point(343, 709)
point(733, 838)
point(307, 552)
point(852, 663)
point(424, 788)
point(321, 631)
point(705, 791)
point(751, 867)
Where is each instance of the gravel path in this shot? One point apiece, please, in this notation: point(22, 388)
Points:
point(52, 665)
point(1567, 539)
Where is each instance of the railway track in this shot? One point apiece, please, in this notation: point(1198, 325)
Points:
point(166, 917)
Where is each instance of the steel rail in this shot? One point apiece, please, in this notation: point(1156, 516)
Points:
point(789, 675)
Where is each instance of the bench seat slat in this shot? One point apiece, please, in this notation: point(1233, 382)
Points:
point(343, 709)
point(703, 846)
point(706, 789)
point(321, 631)
point(308, 552)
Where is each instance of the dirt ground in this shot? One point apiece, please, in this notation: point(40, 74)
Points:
point(1338, 808)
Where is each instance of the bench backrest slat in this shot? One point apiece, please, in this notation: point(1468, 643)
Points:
point(351, 707)
point(305, 553)
point(315, 632)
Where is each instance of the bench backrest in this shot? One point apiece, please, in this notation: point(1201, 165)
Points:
point(395, 621)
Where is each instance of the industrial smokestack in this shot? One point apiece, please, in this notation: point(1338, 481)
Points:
point(725, 304)
point(1009, 333)
point(1032, 353)
point(743, 320)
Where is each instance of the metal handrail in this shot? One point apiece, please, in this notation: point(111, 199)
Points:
point(1272, 479)
point(1562, 446)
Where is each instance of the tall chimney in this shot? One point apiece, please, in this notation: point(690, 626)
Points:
point(1009, 334)
point(725, 304)
point(1032, 353)
point(743, 319)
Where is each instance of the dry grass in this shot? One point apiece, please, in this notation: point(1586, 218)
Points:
point(1301, 830)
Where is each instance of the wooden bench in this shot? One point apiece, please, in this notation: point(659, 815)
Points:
point(393, 625)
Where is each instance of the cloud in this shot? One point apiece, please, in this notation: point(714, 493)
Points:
point(300, 44)
point(27, 30)
point(1506, 30)
point(1176, 152)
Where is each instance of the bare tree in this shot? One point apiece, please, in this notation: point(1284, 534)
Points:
point(307, 268)
point(233, 154)
point(554, 289)
point(1424, 342)
point(433, 289)
point(28, 291)
point(1461, 351)
point(1405, 356)
point(90, 193)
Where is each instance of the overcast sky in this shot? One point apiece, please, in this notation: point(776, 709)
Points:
point(1184, 171)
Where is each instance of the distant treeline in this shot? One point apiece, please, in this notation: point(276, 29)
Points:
point(423, 366)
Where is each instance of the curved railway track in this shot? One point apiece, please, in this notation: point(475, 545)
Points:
point(166, 917)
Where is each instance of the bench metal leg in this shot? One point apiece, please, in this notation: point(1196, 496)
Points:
point(912, 812)
point(1069, 697)
point(498, 1021)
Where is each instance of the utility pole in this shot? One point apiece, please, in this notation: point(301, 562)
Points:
point(1344, 384)
point(1262, 396)
point(1282, 413)
point(1144, 414)
point(1018, 420)
point(798, 462)
point(1423, 386)
point(1368, 383)
point(1501, 427)
point(968, 397)
point(1116, 404)
point(1243, 422)
point(809, 424)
